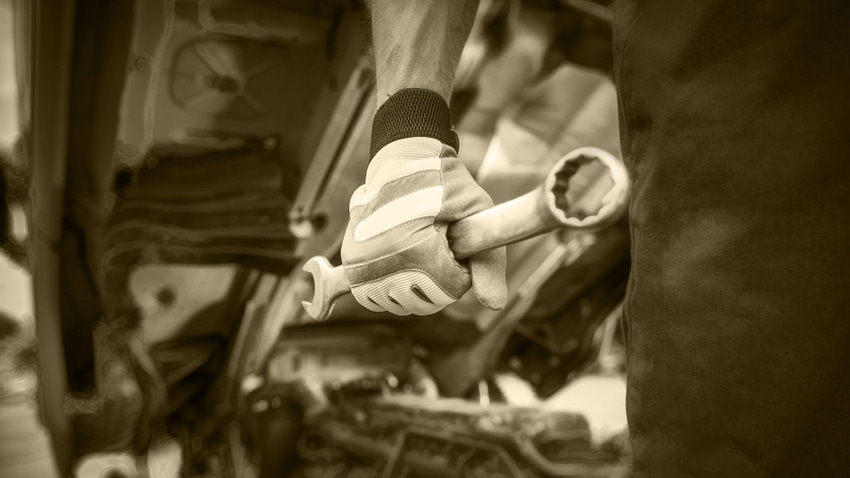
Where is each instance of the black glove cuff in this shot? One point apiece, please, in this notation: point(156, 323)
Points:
point(410, 113)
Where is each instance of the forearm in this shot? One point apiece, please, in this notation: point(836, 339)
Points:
point(418, 43)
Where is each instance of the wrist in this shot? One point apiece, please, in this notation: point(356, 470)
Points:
point(411, 113)
point(402, 158)
point(423, 81)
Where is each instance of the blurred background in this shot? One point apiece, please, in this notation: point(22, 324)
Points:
point(169, 166)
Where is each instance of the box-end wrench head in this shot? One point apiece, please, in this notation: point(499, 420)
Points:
point(546, 208)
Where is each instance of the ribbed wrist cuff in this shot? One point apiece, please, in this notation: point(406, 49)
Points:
point(410, 113)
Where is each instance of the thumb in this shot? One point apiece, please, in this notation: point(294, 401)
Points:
point(488, 278)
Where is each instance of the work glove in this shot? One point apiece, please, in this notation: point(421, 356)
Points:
point(395, 251)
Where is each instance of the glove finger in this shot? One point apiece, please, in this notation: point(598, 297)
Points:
point(415, 305)
point(389, 304)
point(361, 295)
point(488, 278)
point(375, 296)
point(377, 301)
point(412, 296)
point(418, 293)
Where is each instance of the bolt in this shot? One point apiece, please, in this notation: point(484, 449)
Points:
point(142, 63)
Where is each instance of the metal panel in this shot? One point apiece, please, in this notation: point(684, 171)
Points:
point(52, 33)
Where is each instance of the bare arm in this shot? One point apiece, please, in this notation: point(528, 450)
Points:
point(418, 43)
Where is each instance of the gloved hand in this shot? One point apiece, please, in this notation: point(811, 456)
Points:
point(395, 251)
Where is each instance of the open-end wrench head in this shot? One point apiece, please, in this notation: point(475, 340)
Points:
point(321, 306)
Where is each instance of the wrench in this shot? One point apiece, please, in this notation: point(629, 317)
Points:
point(539, 211)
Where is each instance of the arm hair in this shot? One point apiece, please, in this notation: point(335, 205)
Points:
point(418, 43)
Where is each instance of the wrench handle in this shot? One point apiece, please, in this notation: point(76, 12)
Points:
point(506, 223)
